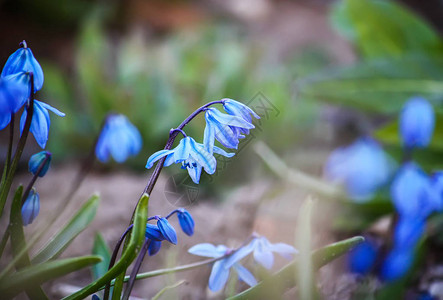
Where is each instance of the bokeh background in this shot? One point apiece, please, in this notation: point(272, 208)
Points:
point(320, 73)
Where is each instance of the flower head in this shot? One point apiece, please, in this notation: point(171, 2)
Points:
point(30, 208)
point(118, 138)
point(238, 109)
point(37, 160)
point(227, 129)
point(167, 230)
point(417, 121)
point(361, 258)
point(23, 60)
point(190, 154)
point(362, 167)
point(40, 121)
point(186, 221)
point(397, 263)
point(220, 270)
point(11, 95)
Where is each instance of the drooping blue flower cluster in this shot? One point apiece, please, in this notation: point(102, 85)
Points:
point(15, 92)
point(227, 129)
point(118, 138)
point(164, 231)
point(262, 251)
point(363, 167)
point(415, 196)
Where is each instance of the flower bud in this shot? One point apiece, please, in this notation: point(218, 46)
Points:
point(30, 208)
point(167, 230)
point(186, 221)
point(37, 160)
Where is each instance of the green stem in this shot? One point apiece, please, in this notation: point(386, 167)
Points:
point(4, 241)
point(9, 153)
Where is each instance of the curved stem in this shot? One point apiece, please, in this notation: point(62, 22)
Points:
point(9, 153)
point(136, 268)
point(34, 178)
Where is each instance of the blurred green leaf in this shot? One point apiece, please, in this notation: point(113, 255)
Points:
point(38, 274)
point(274, 286)
point(384, 28)
point(64, 237)
point(100, 249)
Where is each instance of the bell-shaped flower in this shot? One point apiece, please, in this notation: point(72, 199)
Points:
point(408, 231)
point(40, 160)
point(227, 129)
point(262, 250)
point(40, 121)
point(238, 109)
point(157, 235)
point(190, 154)
point(437, 190)
point(362, 258)
point(411, 192)
point(397, 263)
point(363, 167)
point(12, 97)
point(154, 247)
point(186, 221)
point(153, 232)
point(118, 138)
point(30, 208)
point(167, 230)
point(417, 122)
point(23, 60)
point(220, 270)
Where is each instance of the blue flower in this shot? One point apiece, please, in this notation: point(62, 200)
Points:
point(361, 259)
point(40, 121)
point(397, 263)
point(30, 208)
point(220, 271)
point(186, 221)
point(22, 89)
point(37, 160)
point(156, 236)
point(437, 189)
point(408, 231)
point(263, 252)
point(11, 93)
point(118, 138)
point(167, 230)
point(23, 60)
point(362, 168)
point(411, 192)
point(417, 121)
point(227, 129)
point(154, 247)
point(190, 154)
point(238, 109)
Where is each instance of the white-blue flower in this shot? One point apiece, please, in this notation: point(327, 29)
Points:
point(118, 138)
point(220, 271)
point(262, 250)
point(238, 109)
point(190, 154)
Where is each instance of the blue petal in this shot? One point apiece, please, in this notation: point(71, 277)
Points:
point(219, 276)
point(202, 157)
point(233, 107)
point(209, 136)
point(20, 89)
point(101, 149)
point(36, 160)
point(245, 275)
point(181, 152)
point(153, 233)
point(167, 230)
point(283, 249)
point(264, 257)
point(186, 221)
point(30, 208)
point(229, 120)
point(408, 231)
point(397, 264)
point(195, 173)
point(53, 109)
point(437, 189)
point(240, 253)
point(156, 156)
point(417, 122)
point(154, 247)
point(362, 258)
point(223, 133)
point(220, 151)
point(207, 250)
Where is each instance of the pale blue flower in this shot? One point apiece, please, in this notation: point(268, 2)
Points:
point(227, 129)
point(397, 263)
point(23, 60)
point(417, 122)
point(408, 231)
point(118, 138)
point(238, 109)
point(362, 258)
point(220, 271)
point(190, 154)
point(30, 208)
point(363, 167)
point(40, 121)
point(262, 250)
point(37, 160)
point(437, 189)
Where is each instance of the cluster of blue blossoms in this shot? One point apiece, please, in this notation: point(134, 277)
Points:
point(228, 129)
point(363, 168)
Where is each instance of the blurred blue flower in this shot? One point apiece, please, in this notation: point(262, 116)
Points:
point(37, 160)
point(118, 138)
point(262, 250)
point(408, 231)
point(30, 208)
point(40, 121)
point(190, 154)
point(411, 192)
point(238, 109)
point(362, 168)
point(186, 221)
point(220, 270)
point(417, 121)
point(437, 189)
point(23, 60)
point(397, 263)
point(362, 258)
point(227, 129)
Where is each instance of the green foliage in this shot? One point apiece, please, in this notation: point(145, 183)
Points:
point(100, 249)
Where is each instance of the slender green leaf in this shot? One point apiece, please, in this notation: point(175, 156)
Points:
point(167, 288)
point(100, 249)
point(64, 237)
point(136, 240)
point(274, 286)
point(38, 274)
